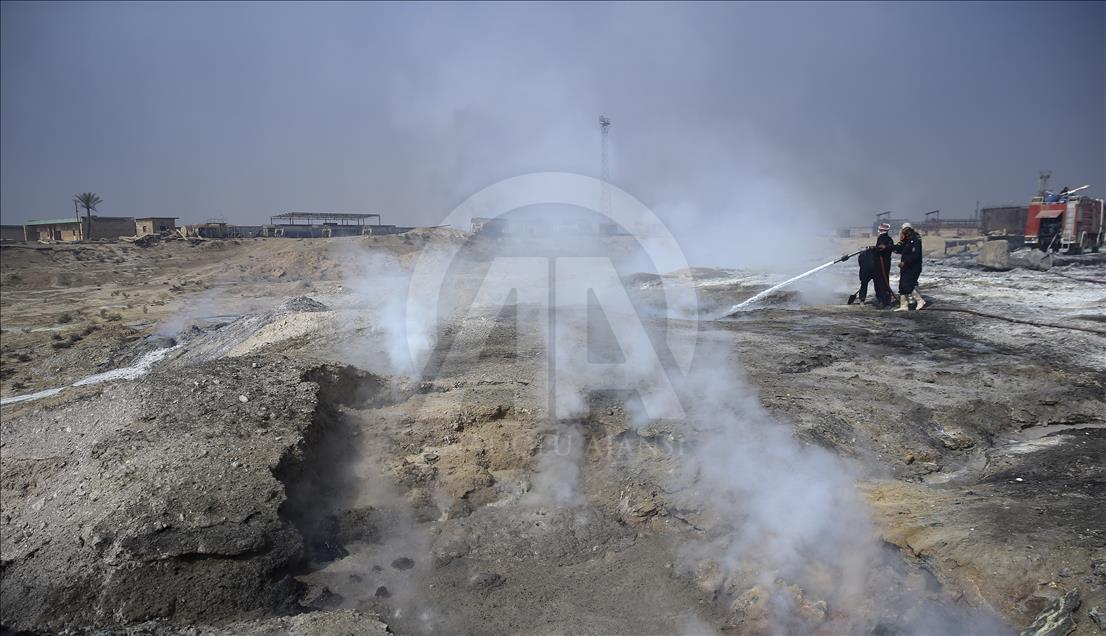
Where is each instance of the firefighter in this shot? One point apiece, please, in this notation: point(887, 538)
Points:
point(874, 262)
point(910, 267)
point(884, 246)
point(868, 266)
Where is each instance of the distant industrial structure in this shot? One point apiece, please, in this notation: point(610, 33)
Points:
point(934, 224)
point(295, 225)
point(329, 224)
point(931, 223)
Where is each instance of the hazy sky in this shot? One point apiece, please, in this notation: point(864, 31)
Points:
point(838, 111)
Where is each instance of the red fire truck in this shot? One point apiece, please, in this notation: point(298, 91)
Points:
point(1064, 222)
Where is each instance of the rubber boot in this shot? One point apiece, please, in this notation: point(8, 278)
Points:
point(904, 303)
point(921, 302)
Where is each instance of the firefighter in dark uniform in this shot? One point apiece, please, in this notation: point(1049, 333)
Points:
point(884, 246)
point(868, 273)
point(875, 264)
point(910, 267)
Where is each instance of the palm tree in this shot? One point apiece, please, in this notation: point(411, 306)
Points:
point(88, 201)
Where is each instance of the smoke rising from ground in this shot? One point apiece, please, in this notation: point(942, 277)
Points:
point(787, 526)
point(397, 314)
point(557, 479)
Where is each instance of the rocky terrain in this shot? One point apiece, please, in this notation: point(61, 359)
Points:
point(838, 469)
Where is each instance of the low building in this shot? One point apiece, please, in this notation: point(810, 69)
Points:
point(297, 231)
point(11, 232)
point(248, 231)
point(221, 229)
point(211, 228)
point(70, 229)
point(74, 229)
point(155, 224)
point(328, 224)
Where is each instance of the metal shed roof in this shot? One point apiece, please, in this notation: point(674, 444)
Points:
point(76, 220)
point(342, 218)
point(53, 221)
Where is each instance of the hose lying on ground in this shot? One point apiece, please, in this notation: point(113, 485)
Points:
point(1019, 321)
point(1085, 280)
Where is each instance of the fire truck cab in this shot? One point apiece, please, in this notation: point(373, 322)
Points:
point(1073, 224)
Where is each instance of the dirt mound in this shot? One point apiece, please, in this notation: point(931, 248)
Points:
point(135, 501)
point(303, 303)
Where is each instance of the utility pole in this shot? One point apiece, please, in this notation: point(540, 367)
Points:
point(77, 213)
point(604, 169)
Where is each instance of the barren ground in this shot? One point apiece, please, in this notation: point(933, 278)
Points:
point(271, 474)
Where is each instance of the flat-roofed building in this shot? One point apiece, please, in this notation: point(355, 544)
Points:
point(74, 229)
point(211, 228)
point(155, 224)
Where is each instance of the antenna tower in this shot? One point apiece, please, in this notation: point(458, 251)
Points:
point(604, 168)
point(1042, 182)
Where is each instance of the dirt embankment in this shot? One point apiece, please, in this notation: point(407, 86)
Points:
point(134, 502)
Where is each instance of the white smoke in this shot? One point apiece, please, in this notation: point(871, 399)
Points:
point(786, 505)
point(398, 312)
point(783, 520)
point(557, 478)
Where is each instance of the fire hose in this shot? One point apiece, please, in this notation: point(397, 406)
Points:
point(1020, 321)
point(736, 308)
